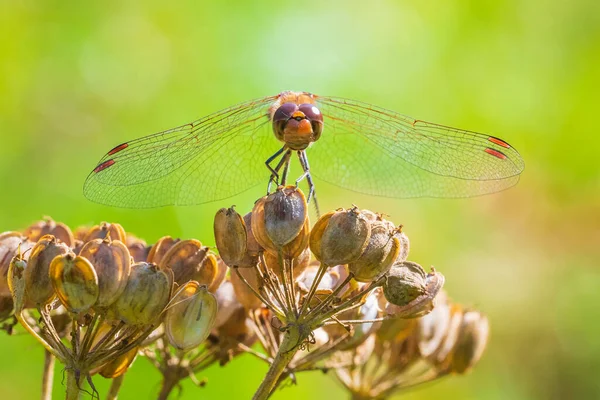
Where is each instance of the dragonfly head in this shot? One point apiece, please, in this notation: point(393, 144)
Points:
point(297, 125)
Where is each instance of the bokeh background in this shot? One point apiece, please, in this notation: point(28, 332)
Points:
point(77, 78)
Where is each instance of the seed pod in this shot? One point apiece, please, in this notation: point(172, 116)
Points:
point(50, 227)
point(75, 282)
point(113, 231)
point(379, 255)
point(433, 327)
point(300, 264)
point(235, 326)
point(226, 302)
point(112, 262)
point(280, 222)
point(37, 277)
point(191, 316)
point(252, 246)
point(10, 243)
point(242, 292)
point(340, 237)
point(16, 282)
point(410, 291)
point(220, 276)
point(146, 295)
point(119, 365)
point(160, 248)
point(471, 342)
point(404, 245)
point(137, 248)
point(230, 236)
point(188, 261)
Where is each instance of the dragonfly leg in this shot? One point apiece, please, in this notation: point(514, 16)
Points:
point(312, 194)
point(274, 178)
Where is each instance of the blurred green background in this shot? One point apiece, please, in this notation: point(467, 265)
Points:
point(78, 78)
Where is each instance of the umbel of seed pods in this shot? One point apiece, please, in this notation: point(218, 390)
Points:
point(270, 249)
point(113, 301)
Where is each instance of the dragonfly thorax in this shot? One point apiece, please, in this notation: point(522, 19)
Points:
point(297, 125)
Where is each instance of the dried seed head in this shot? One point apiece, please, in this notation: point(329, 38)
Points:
point(50, 227)
point(119, 365)
point(404, 245)
point(230, 236)
point(191, 316)
point(254, 249)
point(340, 237)
point(410, 291)
point(189, 260)
point(105, 229)
point(471, 341)
point(146, 295)
point(75, 282)
point(138, 248)
point(16, 281)
point(37, 278)
point(405, 282)
point(220, 276)
point(226, 302)
point(300, 264)
point(10, 243)
point(433, 327)
point(112, 262)
point(160, 248)
point(236, 325)
point(280, 222)
point(377, 258)
point(242, 292)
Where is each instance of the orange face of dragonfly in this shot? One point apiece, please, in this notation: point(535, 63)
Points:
point(297, 121)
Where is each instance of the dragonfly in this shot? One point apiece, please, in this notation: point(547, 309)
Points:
point(351, 144)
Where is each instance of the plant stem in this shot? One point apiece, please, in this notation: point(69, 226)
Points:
point(115, 386)
point(72, 385)
point(169, 383)
point(287, 350)
point(48, 376)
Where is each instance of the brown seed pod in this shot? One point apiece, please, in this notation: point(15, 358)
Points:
point(280, 222)
point(119, 365)
point(220, 276)
point(50, 227)
point(189, 260)
point(340, 237)
point(138, 248)
point(75, 282)
point(470, 342)
point(379, 255)
point(146, 295)
point(160, 248)
point(410, 290)
point(37, 277)
point(252, 246)
point(16, 281)
point(112, 262)
point(230, 236)
point(190, 316)
point(433, 327)
point(244, 295)
point(105, 229)
point(10, 243)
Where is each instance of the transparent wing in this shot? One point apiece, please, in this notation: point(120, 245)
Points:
point(379, 152)
point(210, 159)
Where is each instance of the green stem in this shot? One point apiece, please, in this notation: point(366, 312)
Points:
point(72, 385)
point(286, 352)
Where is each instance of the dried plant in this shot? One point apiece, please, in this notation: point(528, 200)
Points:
point(339, 296)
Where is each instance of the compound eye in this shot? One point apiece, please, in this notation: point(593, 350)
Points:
point(311, 112)
point(284, 112)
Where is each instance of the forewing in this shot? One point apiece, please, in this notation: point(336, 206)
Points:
point(380, 152)
point(210, 159)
